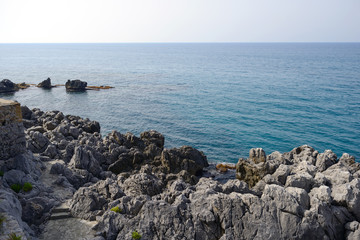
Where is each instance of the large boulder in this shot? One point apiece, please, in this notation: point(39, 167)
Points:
point(89, 202)
point(37, 142)
point(75, 86)
point(249, 172)
point(84, 158)
point(153, 137)
point(257, 155)
point(8, 86)
point(302, 153)
point(11, 210)
point(45, 84)
point(253, 169)
point(325, 160)
point(142, 184)
point(185, 158)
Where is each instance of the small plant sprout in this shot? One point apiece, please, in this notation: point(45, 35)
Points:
point(16, 187)
point(13, 236)
point(2, 219)
point(1, 173)
point(27, 187)
point(135, 235)
point(116, 209)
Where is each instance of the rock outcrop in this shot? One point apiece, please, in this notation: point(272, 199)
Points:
point(75, 86)
point(46, 84)
point(8, 86)
point(127, 183)
point(12, 137)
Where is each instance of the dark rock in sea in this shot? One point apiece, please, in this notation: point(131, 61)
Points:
point(75, 85)
point(45, 84)
point(8, 86)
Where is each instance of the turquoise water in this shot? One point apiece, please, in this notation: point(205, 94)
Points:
point(222, 98)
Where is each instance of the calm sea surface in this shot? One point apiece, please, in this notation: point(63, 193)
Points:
point(221, 98)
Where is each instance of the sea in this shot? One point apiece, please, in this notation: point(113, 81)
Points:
point(221, 98)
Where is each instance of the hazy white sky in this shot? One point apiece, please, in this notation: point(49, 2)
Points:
point(179, 20)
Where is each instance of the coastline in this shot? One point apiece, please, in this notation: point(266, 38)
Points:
point(119, 185)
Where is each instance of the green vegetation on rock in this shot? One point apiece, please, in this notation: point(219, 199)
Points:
point(2, 219)
point(1, 173)
point(13, 236)
point(27, 187)
point(16, 187)
point(136, 235)
point(116, 209)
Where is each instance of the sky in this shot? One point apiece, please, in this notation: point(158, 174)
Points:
point(72, 21)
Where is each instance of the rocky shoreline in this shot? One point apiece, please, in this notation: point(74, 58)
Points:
point(132, 187)
point(7, 86)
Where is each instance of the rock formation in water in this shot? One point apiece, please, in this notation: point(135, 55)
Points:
point(75, 85)
point(133, 185)
point(46, 84)
point(8, 86)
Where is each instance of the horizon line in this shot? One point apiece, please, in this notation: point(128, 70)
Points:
point(187, 42)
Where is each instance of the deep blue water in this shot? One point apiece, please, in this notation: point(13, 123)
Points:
point(222, 98)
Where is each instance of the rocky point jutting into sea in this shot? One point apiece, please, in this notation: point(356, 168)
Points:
point(60, 179)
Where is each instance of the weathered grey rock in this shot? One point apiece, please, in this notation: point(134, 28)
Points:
point(91, 127)
point(277, 157)
point(26, 112)
point(281, 173)
point(83, 158)
point(337, 176)
point(301, 196)
point(67, 130)
point(292, 198)
point(348, 195)
point(320, 180)
point(257, 155)
point(36, 210)
point(12, 135)
point(37, 142)
point(110, 224)
point(235, 186)
point(153, 137)
point(320, 195)
point(304, 167)
point(45, 84)
point(14, 177)
point(75, 85)
point(51, 151)
point(184, 158)
point(300, 180)
point(8, 86)
point(302, 153)
point(26, 163)
point(89, 202)
point(50, 125)
point(11, 207)
point(353, 231)
point(39, 129)
point(77, 177)
point(325, 160)
point(142, 183)
point(124, 163)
